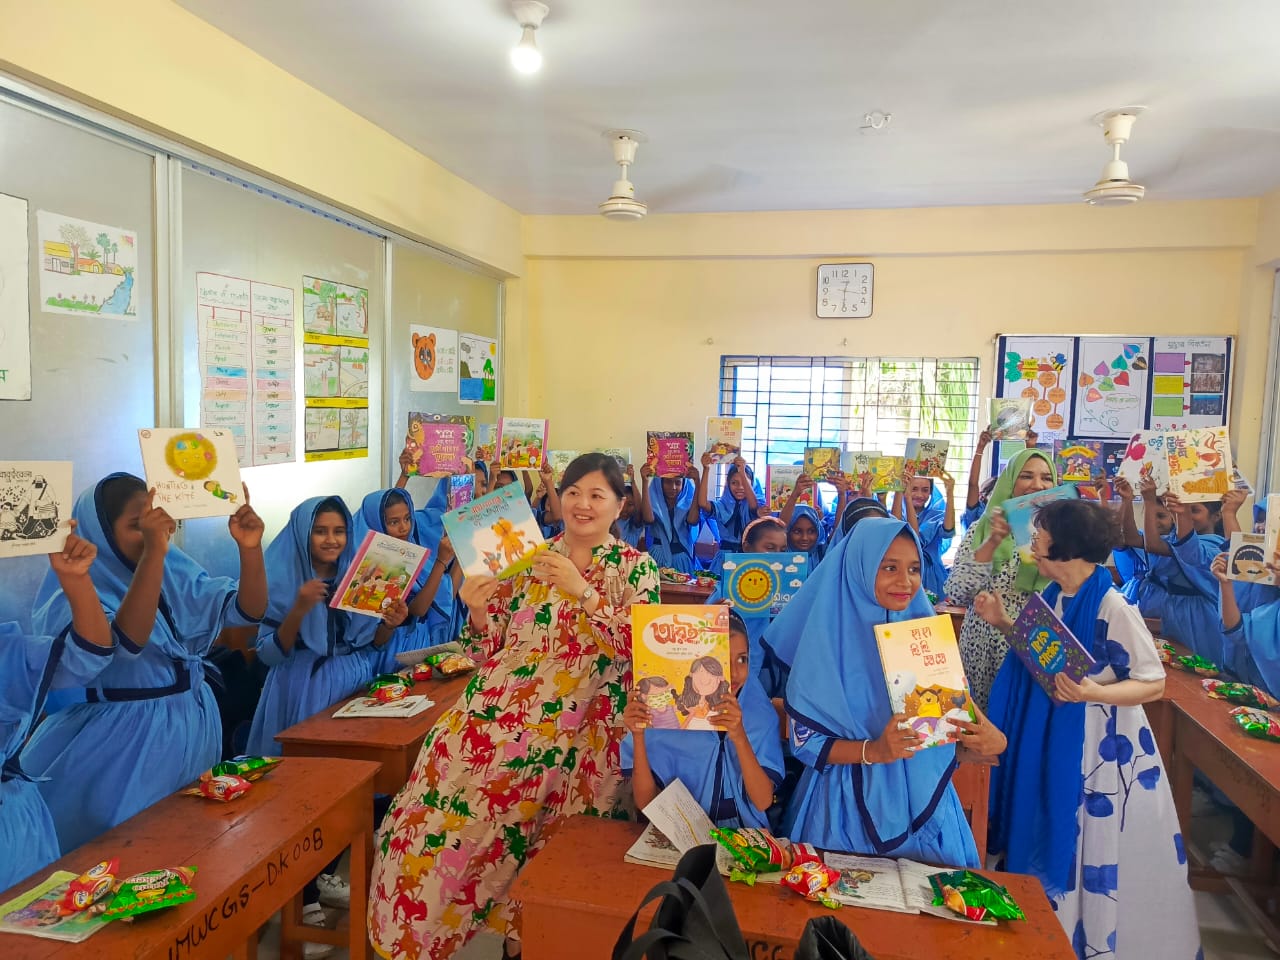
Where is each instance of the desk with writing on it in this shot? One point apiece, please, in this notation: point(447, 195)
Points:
point(393, 742)
point(578, 892)
point(252, 856)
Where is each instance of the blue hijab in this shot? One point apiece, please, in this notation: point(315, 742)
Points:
point(1037, 787)
point(372, 515)
point(818, 549)
point(733, 515)
point(837, 687)
point(676, 534)
point(323, 631)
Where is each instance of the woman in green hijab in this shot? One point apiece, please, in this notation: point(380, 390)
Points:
point(987, 560)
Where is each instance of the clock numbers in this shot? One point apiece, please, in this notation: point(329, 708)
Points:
point(845, 290)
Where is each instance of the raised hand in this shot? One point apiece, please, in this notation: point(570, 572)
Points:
point(1124, 489)
point(75, 558)
point(156, 526)
point(310, 593)
point(990, 607)
point(1219, 569)
point(998, 529)
point(246, 526)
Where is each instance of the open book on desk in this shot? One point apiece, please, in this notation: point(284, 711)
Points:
point(883, 884)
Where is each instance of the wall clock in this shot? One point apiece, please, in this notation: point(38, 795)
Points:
point(845, 289)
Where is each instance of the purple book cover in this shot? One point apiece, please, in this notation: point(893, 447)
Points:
point(1046, 647)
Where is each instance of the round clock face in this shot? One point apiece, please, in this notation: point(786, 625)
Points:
point(755, 583)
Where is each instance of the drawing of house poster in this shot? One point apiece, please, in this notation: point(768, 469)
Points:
point(86, 268)
point(335, 369)
point(15, 316)
point(477, 369)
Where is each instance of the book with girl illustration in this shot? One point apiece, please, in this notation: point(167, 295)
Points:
point(495, 535)
point(1020, 514)
point(926, 458)
point(724, 438)
point(522, 443)
point(195, 472)
point(381, 573)
point(924, 675)
point(440, 444)
point(781, 479)
point(670, 452)
point(680, 662)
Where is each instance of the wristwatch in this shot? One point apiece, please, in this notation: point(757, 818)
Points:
point(587, 594)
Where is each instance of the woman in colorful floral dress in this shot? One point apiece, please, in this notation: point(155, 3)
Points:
point(534, 738)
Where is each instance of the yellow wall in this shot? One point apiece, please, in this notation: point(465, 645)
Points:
point(620, 315)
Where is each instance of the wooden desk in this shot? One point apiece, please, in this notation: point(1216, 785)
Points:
point(392, 742)
point(685, 593)
point(578, 893)
point(253, 857)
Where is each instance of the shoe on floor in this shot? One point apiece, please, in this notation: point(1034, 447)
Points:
point(1230, 863)
point(334, 891)
point(1202, 804)
point(313, 916)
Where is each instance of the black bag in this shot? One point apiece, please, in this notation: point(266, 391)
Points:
point(695, 919)
point(826, 938)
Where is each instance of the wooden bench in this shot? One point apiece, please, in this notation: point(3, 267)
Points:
point(253, 856)
point(577, 894)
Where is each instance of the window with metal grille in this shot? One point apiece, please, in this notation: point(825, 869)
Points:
point(855, 403)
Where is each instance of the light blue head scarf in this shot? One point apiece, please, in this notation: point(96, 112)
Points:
point(371, 517)
point(818, 550)
point(673, 531)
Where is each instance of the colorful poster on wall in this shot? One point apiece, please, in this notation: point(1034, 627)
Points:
point(86, 268)
point(335, 369)
point(435, 359)
point(246, 348)
point(1040, 369)
point(15, 315)
point(477, 369)
point(1111, 387)
point(1190, 382)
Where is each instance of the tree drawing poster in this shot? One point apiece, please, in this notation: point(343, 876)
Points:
point(1112, 375)
point(15, 315)
point(477, 369)
point(86, 268)
point(1041, 370)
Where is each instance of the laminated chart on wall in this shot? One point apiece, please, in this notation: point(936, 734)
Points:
point(1112, 379)
point(1190, 382)
point(477, 369)
point(15, 313)
point(86, 268)
point(245, 330)
point(1042, 370)
point(335, 369)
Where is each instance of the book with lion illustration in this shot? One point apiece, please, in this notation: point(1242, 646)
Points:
point(381, 572)
point(680, 659)
point(195, 472)
point(495, 535)
point(522, 443)
point(924, 675)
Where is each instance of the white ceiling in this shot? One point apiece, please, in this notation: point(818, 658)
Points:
point(752, 105)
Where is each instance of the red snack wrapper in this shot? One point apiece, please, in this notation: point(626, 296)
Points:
point(421, 672)
point(224, 788)
point(811, 879)
point(88, 888)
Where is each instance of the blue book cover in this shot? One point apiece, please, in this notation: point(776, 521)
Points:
point(1046, 647)
point(1020, 513)
point(495, 535)
point(756, 584)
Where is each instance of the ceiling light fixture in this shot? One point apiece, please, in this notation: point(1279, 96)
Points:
point(525, 55)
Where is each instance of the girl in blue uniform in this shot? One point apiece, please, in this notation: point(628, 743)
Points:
point(631, 528)
point(148, 724)
point(1131, 558)
point(670, 511)
point(765, 535)
point(29, 667)
point(731, 771)
point(739, 504)
point(932, 516)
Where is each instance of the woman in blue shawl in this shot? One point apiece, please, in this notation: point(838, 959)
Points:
point(317, 655)
point(732, 771)
point(148, 723)
point(932, 514)
point(1080, 798)
point(671, 513)
point(865, 789)
point(29, 668)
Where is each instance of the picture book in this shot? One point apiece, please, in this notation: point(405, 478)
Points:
point(441, 443)
point(195, 473)
point(1020, 514)
point(1010, 418)
point(781, 479)
point(924, 675)
point(559, 459)
point(883, 884)
point(35, 913)
point(858, 464)
point(926, 458)
point(1046, 647)
point(1082, 462)
point(1145, 458)
point(522, 443)
point(409, 706)
point(724, 438)
point(886, 474)
point(756, 584)
point(623, 457)
point(1240, 482)
point(1247, 558)
point(35, 506)
point(680, 662)
point(821, 462)
point(462, 489)
point(495, 535)
point(486, 445)
point(1199, 463)
point(383, 571)
point(670, 452)
point(1272, 529)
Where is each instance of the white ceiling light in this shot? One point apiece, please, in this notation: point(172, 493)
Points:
point(622, 203)
point(1114, 188)
point(525, 55)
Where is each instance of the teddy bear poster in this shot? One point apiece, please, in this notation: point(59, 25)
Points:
point(433, 359)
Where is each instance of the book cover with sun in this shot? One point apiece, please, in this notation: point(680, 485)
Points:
point(924, 675)
point(680, 662)
point(760, 584)
point(195, 472)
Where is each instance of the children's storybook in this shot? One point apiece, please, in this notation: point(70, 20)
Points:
point(462, 489)
point(1145, 459)
point(926, 458)
point(724, 438)
point(883, 884)
point(381, 573)
point(858, 464)
point(1020, 514)
point(622, 456)
point(35, 506)
point(409, 706)
point(886, 474)
point(522, 443)
point(1010, 418)
point(1247, 558)
point(821, 462)
point(559, 460)
point(440, 444)
point(1046, 647)
point(1083, 462)
point(756, 584)
point(1199, 463)
point(495, 535)
point(1273, 525)
point(486, 445)
point(680, 662)
point(35, 913)
point(925, 677)
point(670, 452)
point(195, 472)
point(781, 479)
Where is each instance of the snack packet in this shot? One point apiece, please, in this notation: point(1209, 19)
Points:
point(1257, 723)
point(1166, 652)
point(88, 888)
point(973, 896)
point(225, 788)
point(421, 671)
point(153, 890)
point(1196, 664)
point(1241, 693)
point(811, 881)
point(250, 768)
point(755, 850)
point(450, 664)
point(389, 687)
